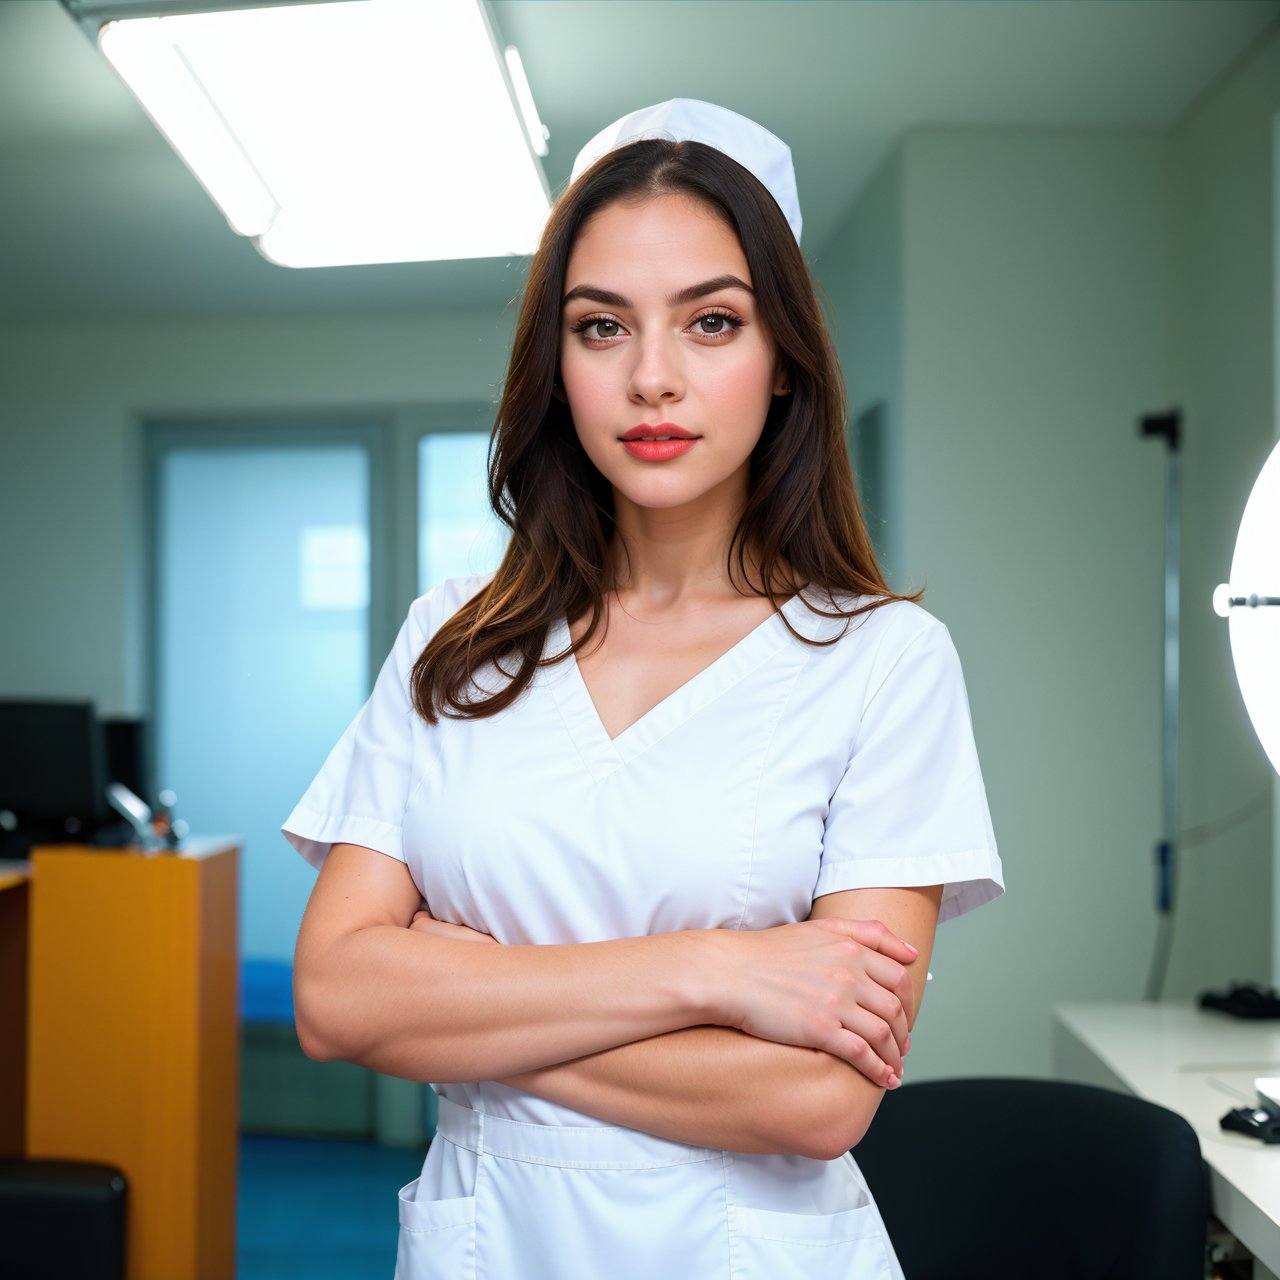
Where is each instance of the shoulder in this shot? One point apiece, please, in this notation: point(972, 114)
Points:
point(429, 612)
point(874, 640)
point(885, 628)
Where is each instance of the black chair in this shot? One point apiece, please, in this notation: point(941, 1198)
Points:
point(991, 1179)
point(62, 1220)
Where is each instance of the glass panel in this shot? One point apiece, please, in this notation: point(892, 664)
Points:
point(263, 647)
point(458, 534)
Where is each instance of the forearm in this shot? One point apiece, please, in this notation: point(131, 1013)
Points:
point(441, 1002)
point(717, 1087)
point(426, 1008)
point(720, 1088)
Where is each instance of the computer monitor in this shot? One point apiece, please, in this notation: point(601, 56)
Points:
point(128, 741)
point(53, 767)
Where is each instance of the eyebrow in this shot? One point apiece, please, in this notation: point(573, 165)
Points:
point(690, 294)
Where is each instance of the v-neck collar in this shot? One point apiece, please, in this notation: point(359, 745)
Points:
point(602, 754)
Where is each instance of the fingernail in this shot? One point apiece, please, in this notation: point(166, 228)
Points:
point(894, 1082)
point(909, 947)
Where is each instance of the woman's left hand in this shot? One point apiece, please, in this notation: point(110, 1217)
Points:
point(424, 922)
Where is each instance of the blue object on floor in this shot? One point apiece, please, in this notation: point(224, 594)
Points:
point(320, 1209)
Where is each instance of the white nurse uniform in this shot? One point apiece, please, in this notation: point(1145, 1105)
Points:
point(781, 772)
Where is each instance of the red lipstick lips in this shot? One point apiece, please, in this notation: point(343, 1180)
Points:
point(658, 444)
point(645, 431)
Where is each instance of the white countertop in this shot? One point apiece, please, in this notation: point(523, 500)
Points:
point(1200, 1064)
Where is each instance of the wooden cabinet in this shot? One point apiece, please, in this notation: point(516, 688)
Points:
point(132, 1039)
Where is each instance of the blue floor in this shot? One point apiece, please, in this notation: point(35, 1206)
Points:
point(309, 1209)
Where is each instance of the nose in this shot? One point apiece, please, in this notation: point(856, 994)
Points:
point(657, 374)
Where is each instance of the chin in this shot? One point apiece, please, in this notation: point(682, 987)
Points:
point(666, 493)
point(659, 497)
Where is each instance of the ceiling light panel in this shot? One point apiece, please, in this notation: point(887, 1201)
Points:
point(356, 132)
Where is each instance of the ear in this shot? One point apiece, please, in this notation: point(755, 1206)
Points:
point(557, 389)
point(782, 382)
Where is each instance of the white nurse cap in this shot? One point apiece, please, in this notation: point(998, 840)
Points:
point(688, 120)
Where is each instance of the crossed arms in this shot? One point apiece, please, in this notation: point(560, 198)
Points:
point(774, 1040)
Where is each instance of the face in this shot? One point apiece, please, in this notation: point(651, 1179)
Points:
point(660, 331)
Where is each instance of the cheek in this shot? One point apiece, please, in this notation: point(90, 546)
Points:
point(745, 392)
point(584, 386)
point(589, 403)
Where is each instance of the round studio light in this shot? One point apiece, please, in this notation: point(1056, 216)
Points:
point(1251, 602)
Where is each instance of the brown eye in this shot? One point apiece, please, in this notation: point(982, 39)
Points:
point(585, 327)
point(717, 324)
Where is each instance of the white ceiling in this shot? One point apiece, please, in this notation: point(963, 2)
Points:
point(98, 217)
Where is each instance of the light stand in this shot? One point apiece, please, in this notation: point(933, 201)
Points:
point(1168, 427)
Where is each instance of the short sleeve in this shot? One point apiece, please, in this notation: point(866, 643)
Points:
point(360, 794)
point(911, 808)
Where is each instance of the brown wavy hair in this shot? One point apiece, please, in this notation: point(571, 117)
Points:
point(801, 522)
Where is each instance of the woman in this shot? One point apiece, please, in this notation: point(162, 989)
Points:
point(638, 847)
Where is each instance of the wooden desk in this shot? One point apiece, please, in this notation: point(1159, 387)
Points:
point(1199, 1064)
point(131, 1037)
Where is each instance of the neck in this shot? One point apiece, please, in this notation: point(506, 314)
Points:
point(663, 558)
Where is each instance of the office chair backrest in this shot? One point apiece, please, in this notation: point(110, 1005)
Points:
point(1004, 1179)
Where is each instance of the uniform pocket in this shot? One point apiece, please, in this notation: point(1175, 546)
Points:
point(770, 1245)
point(437, 1237)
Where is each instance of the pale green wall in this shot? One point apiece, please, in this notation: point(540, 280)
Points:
point(72, 465)
point(1035, 282)
point(1054, 285)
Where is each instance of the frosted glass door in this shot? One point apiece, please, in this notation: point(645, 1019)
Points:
point(263, 649)
point(458, 534)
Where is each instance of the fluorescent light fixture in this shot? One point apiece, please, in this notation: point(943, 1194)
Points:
point(537, 131)
point(361, 131)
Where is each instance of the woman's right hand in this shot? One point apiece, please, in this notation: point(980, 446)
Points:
point(832, 984)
